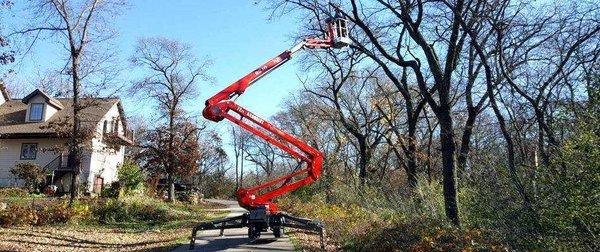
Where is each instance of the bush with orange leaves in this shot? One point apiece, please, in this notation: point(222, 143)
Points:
point(343, 222)
point(53, 212)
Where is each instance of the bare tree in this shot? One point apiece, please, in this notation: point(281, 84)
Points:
point(347, 91)
point(412, 38)
point(237, 145)
point(561, 45)
point(172, 77)
point(239, 142)
point(82, 28)
point(263, 155)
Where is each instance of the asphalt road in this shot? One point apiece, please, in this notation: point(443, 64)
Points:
point(236, 239)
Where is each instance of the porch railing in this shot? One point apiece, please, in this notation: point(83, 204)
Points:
point(58, 163)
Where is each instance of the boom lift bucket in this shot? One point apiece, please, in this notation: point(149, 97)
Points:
point(339, 30)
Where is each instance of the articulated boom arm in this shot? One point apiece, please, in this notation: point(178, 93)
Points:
point(221, 106)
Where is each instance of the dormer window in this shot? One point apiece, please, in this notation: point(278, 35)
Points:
point(36, 112)
point(40, 106)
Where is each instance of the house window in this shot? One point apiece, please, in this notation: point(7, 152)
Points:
point(36, 112)
point(105, 127)
point(28, 151)
point(116, 125)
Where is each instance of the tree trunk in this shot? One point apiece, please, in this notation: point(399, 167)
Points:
point(242, 165)
point(465, 144)
point(510, 148)
point(411, 171)
point(511, 156)
point(237, 162)
point(171, 166)
point(541, 147)
point(429, 145)
point(363, 161)
point(171, 186)
point(74, 153)
point(74, 192)
point(448, 148)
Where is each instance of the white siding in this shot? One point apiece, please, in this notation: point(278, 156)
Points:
point(2, 98)
point(10, 155)
point(105, 162)
point(100, 162)
point(49, 111)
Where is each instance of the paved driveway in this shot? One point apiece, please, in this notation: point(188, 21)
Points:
point(236, 239)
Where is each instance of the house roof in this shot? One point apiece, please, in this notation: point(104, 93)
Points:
point(13, 124)
point(3, 91)
point(49, 99)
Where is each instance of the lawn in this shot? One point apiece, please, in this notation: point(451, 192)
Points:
point(36, 223)
point(87, 238)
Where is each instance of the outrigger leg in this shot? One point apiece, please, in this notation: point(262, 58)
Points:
point(220, 224)
point(302, 223)
point(259, 220)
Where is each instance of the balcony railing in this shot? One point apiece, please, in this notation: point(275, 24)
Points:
point(127, 138)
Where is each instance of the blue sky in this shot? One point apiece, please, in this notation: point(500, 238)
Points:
point(235, 34)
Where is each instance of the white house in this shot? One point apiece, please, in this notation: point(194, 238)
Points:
point(34, 129)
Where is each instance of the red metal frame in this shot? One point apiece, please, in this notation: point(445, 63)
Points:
point(219, 106)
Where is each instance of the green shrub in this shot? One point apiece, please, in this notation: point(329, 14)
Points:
point(569, 195)
point(150, 212)
point(565, 199)
point(112, 191)
point(495, 205)
point(117, 211)
point(31, 174)
point(111, 211)
point(131, 177)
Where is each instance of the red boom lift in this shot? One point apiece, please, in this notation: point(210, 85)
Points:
point(262, 212)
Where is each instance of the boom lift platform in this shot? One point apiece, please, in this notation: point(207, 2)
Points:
point(262, 213)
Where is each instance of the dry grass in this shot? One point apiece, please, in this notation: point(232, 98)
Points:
point(87, 234)
point(65, 238)
point(309, 241)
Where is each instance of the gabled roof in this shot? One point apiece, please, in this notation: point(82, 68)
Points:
point(3, 91)
point(13, 124)
point(49, 99)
